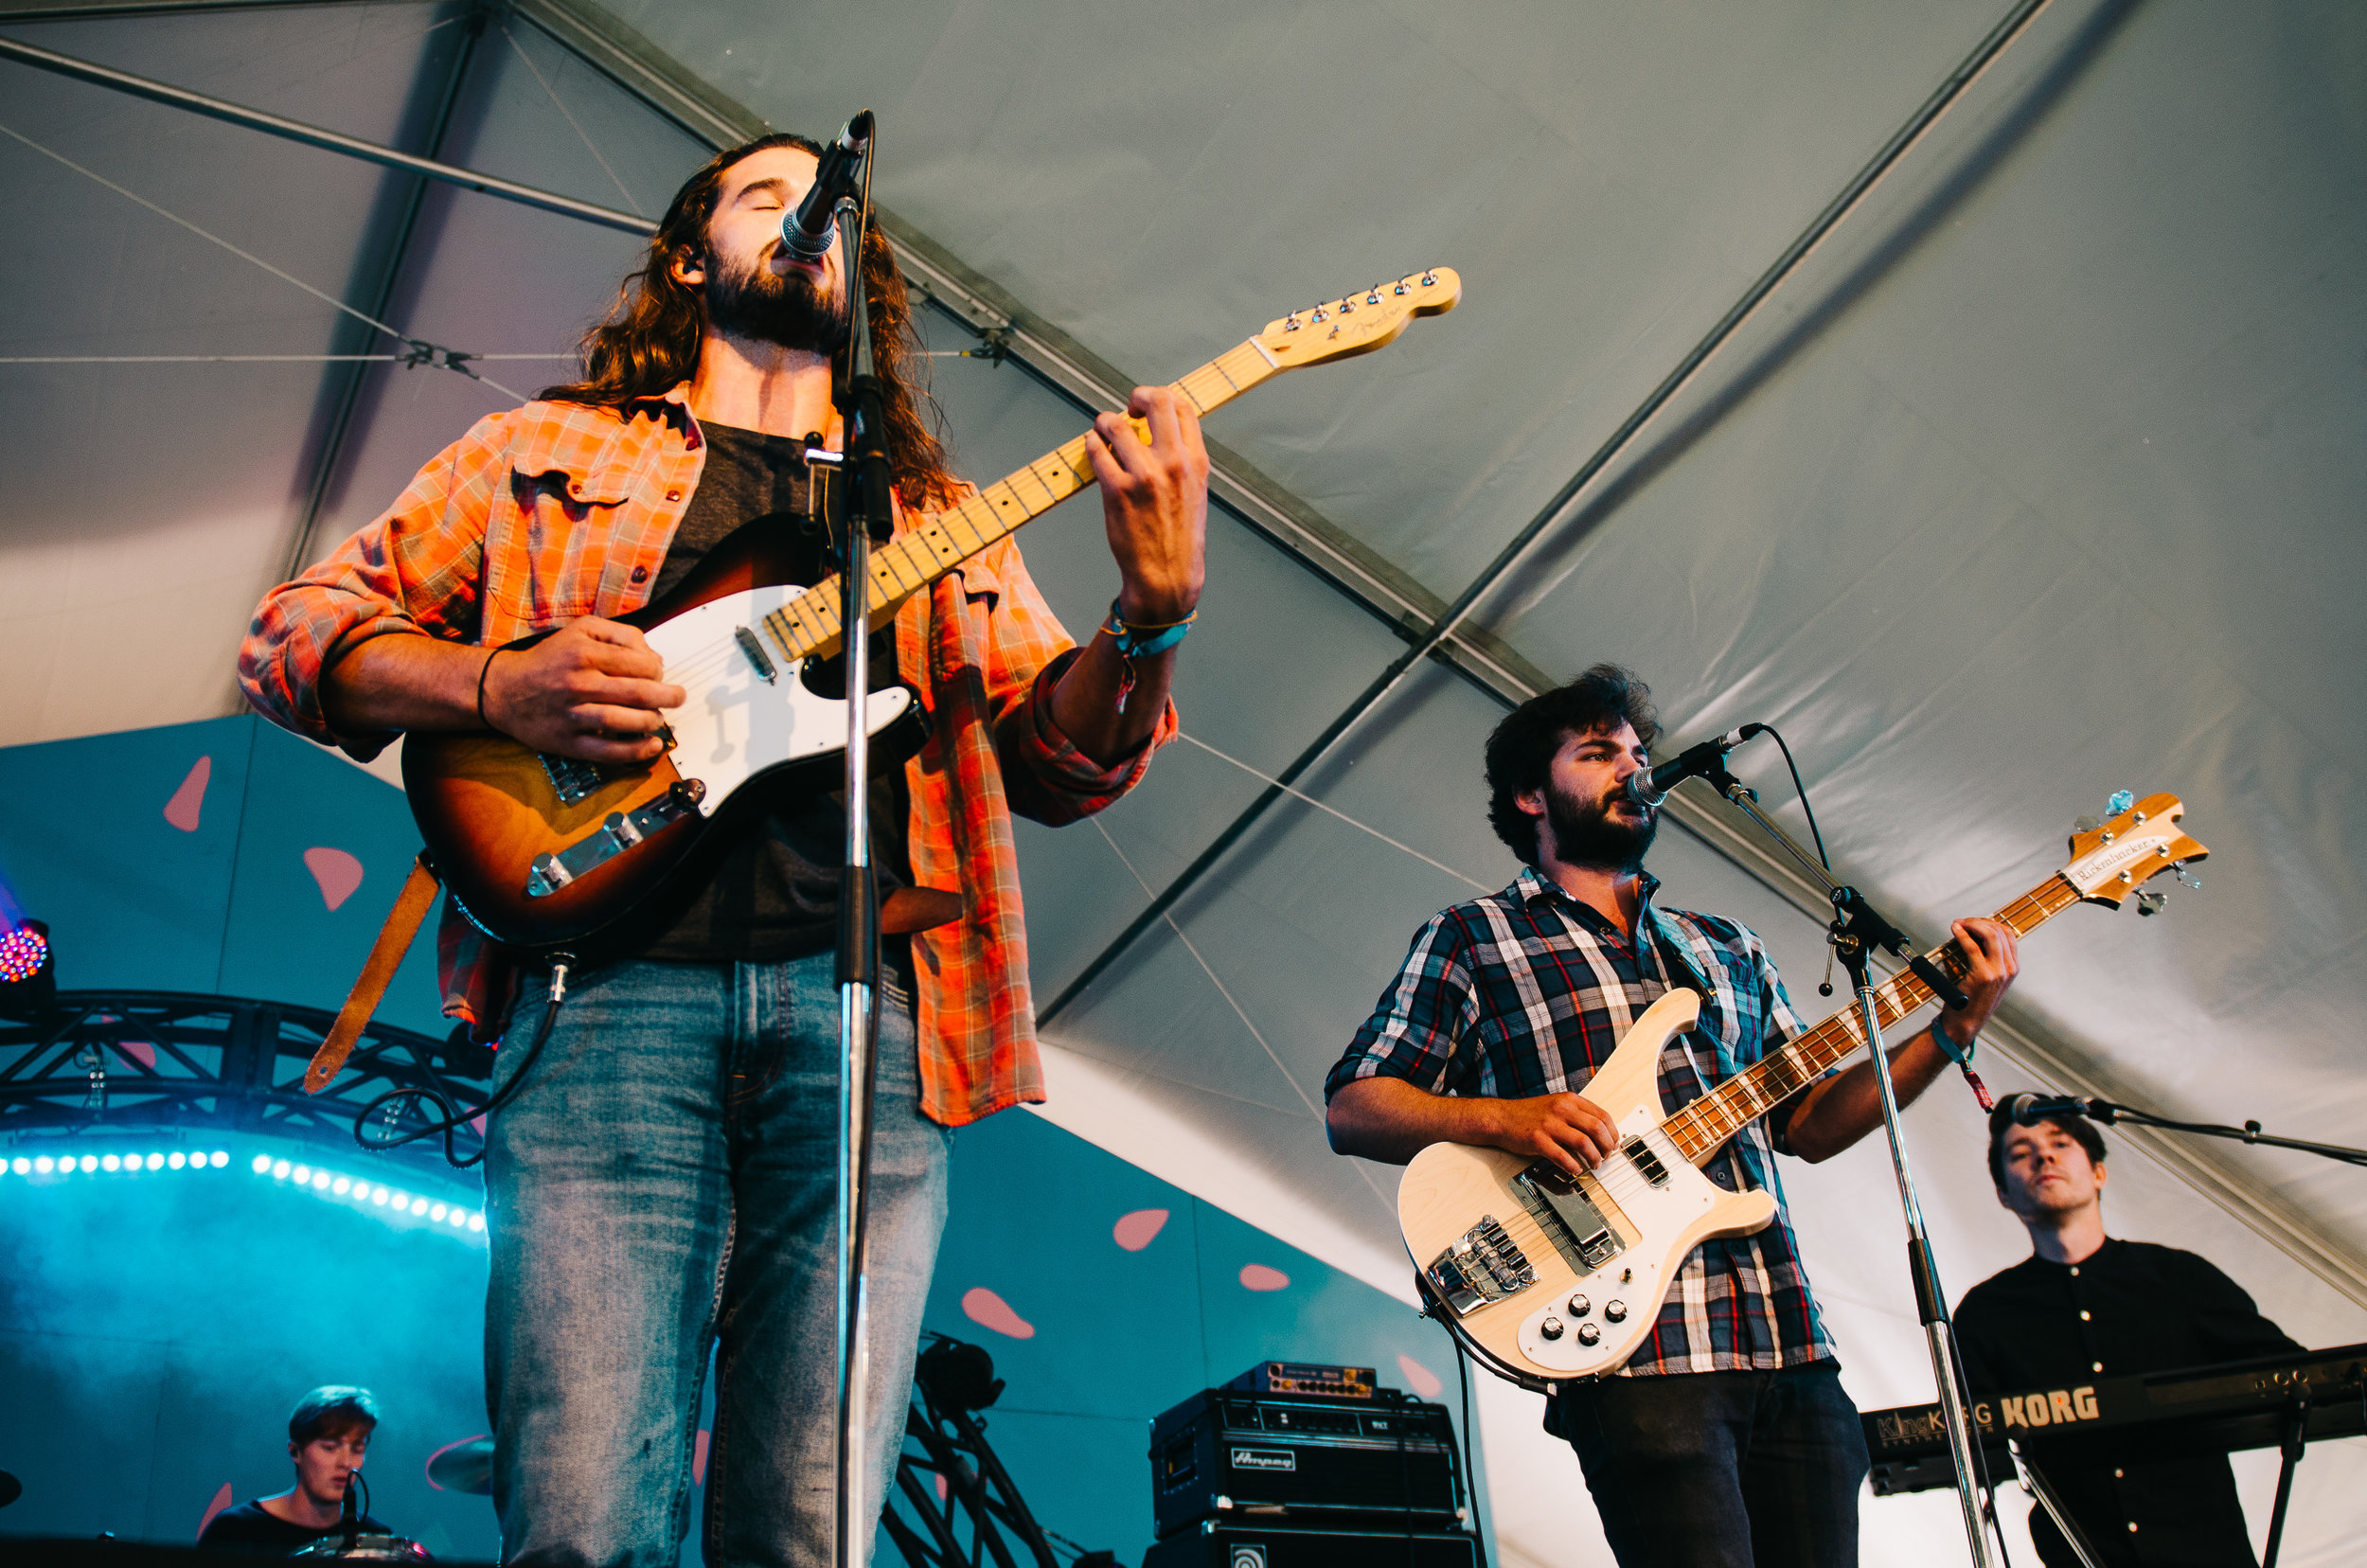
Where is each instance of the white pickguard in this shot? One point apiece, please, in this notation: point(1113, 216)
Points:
point(1662, 1211)
point(737, 724)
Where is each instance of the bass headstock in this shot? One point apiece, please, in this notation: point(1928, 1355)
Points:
point(2115, 858)
point(1361, 320)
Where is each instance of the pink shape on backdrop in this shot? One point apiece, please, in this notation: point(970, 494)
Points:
point(337, 872)
point(1257, 1277)
point(222, 1501)
point(429, 1469)
point(698, 1453)
point(182, 809)
point(139, 1051)
point(942, 1487)
point(1137, 1230)
point(1419, 1378)
point(988, 1311)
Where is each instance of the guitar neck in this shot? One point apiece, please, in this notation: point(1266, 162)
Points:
point(813, 623)
point(1702, 1128)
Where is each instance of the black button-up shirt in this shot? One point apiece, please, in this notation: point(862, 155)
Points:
point(2131, 1308)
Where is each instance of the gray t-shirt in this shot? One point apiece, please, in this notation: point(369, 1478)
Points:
point(774, 895)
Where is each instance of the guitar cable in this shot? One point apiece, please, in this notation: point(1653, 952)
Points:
point(454, 1120)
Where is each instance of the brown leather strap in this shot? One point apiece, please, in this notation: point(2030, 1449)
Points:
point(911, 909)
point(394, 940)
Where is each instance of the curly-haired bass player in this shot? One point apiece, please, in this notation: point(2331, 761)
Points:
point(663, 1180)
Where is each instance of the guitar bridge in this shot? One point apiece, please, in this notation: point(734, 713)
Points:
point(573, 778)
point(1567, 1217)
point(1480, 1266)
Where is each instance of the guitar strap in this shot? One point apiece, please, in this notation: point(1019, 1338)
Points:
point(386, 954)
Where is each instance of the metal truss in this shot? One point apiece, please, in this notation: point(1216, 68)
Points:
point(100, 1064)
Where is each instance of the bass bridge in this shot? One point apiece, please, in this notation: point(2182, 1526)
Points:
point(1482, 1265)
point(1568, 1216)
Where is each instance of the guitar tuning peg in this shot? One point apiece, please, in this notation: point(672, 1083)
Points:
point(2180, 871)
point(2087, 825)
point(2122, 800)
point(2150, 904)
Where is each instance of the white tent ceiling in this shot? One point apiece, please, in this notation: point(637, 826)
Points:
point(2035, 480)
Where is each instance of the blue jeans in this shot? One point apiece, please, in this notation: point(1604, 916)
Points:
point(1722, 1469)
point(666, 1183)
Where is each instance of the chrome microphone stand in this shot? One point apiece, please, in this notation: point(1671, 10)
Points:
point(869, 515)
point(1856, 932)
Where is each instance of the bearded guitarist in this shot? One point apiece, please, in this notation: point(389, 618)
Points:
point(663, 1179)
point(1727, 1438)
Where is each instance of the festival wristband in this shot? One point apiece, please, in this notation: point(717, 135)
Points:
point(1140, 642)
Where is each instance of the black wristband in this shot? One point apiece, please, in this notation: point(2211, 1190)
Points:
point(482, 671)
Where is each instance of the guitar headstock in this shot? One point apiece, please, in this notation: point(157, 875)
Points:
point(2112, 861)
point(1361, 320)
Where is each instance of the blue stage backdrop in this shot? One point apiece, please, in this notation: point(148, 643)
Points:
point(155, 1327)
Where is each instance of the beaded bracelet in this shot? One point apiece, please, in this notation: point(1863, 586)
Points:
point(482, 670)
point(1141, 642)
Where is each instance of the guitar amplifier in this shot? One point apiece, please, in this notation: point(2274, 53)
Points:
point(1228, 1455)
point(1245, 1545)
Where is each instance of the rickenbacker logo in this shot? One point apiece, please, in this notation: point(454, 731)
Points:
point(2056, 1407)
point(1265, 1459)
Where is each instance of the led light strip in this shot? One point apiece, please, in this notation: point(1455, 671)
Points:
point(361, 1191)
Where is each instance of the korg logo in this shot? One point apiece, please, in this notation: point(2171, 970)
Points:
point(1247, 1556)
point(1265, 1459)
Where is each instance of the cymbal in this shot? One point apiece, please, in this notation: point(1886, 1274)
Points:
point(466, 1465)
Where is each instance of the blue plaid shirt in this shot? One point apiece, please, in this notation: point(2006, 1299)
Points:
point(1528, 991)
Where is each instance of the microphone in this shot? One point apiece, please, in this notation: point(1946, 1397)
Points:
point(349, 1514)
point(807, 232)
point(1650, 786)
point(2030, 1110)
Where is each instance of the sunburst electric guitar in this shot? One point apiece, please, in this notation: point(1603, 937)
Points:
point(544, 852)
point(1551, 1277)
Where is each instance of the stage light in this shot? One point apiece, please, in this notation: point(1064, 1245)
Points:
point(344, 1185)
point(156, 1161)
point(419, 1206)
point(302, 1174)
point(219, 1160)
point(44, 1165)
point(403, 1200)
point(111, 1162)
point(178, 1159)
point(477, 1221)
point(320, 1180)
point(21, 1165)
point(90, 1162)
point(460, 1217)
point(378, 1196)
point(28, 975)
point(437, 1212)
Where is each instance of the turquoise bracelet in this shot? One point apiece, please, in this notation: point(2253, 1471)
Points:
point(1141, 642)
point(1959, 1055)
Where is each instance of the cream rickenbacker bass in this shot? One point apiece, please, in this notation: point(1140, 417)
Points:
point(1553, 1277)
point(544, 852)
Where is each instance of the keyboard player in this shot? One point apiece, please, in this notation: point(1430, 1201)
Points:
point(2086, 1305)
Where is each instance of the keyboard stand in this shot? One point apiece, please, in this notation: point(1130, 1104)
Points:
point(2037, 1485)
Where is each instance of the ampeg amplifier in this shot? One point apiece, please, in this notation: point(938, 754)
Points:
point(1216, 1545)
point(1344, 1382)
point(1229, 1456)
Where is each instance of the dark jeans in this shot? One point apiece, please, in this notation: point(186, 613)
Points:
point(1722, 1469)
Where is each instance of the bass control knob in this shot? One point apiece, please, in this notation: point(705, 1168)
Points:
point(1580, 1306)
point(1551, 1327)
point(1615, 1311)
point(1589, 1334)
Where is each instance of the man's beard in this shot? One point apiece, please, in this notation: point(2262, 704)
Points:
point(1587, 834)
point(784, 309)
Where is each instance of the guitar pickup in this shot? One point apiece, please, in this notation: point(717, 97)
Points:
point(766, 670)
point(1640, 1156)
point(1569, 1217)
point(1482, 1265)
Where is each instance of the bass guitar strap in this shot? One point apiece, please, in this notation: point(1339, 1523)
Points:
point(369, 987)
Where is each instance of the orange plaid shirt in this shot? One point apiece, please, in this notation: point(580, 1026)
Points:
point(553, 512)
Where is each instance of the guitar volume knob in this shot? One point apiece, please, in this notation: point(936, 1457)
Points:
point(1551, 1327)
point(1590, 1334)
point(1580, 1306)
point(1615, 1311)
